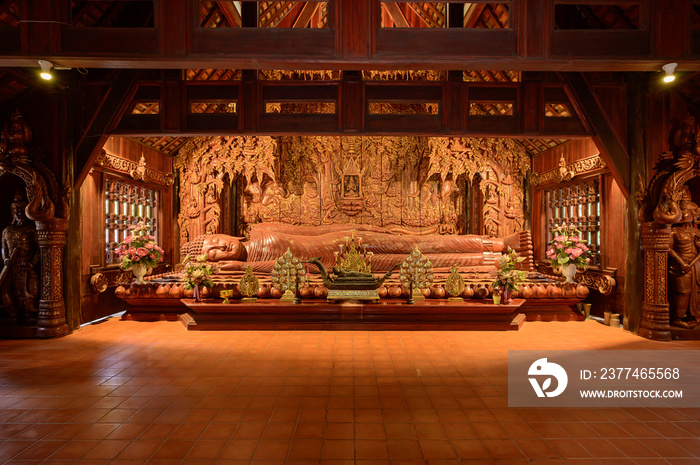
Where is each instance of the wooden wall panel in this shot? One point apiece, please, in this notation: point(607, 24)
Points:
point(613, 101)
point(92, 223)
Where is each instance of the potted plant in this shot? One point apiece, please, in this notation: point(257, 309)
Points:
point(508, 277)
point(139, 252)
point(197, 273)
point(568, 252)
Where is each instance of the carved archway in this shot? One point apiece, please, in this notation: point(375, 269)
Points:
point(48, 208)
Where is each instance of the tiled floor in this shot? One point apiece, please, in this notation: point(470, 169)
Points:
point(132, 393)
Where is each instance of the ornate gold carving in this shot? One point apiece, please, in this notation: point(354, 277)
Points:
point(298, 75)
point(567, 172)
point(404, 75)
point(455, 284)
point(351, 258)
point(416, 272)
point(249, 286)
point(287, 272)
point(138, 171)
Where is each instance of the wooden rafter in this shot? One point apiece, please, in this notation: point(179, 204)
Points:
point(113, 106)
point(395, 14)
point(229, 11)
point(307, 12)
point(611, 149)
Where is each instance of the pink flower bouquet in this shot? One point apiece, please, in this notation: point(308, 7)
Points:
point(139, 247)
point(568, 247)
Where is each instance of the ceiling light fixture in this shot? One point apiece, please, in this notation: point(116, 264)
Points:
point(45, 69)
point(669, 68)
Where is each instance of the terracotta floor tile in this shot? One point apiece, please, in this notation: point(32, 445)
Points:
point(471, 449)
point(140, 449)
point(490, 430)
point(334, 449)
point(310, 431)
point(106, 449)
point(313, 398)
point(536, 448)
point(437, 449)
point(400, 431)
point(368, 449)
point(240, 449)
point(340, 431)
point(404, 449)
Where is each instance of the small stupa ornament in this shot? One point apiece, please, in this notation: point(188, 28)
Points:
point(454, 285)
point(287, 271)
point(249, 286)
point(416, 273)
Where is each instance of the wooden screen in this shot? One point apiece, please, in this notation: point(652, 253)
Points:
point(127, 204)
point(576, 205)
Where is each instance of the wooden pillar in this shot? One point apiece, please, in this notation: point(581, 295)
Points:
point(655, 309)
point(637, 89)
point(52, 309)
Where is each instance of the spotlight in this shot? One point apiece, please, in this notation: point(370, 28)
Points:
point(669, 68)
point(45, 69)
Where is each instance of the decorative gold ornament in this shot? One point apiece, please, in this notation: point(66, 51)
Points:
point(567, 172)
point(287, 272)
point(249, 286)
point(351, 258)
point(227, 294)
point(416, 273)
point(137, 171)
point(454, 285)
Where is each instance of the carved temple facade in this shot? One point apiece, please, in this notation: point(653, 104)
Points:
point(458, 119)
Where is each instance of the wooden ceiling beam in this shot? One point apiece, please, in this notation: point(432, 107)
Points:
point(613, 152)
point(228, 9)
point(306, 14)
point(352, 41)
point(113, 107)
point(396, 14)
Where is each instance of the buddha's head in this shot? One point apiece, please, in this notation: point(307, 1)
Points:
point(223, 247)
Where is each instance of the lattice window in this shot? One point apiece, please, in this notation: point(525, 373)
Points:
point(576, 205)
point(127, 204)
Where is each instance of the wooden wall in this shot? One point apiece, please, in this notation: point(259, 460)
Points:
point(613, 215)
point(96, 305)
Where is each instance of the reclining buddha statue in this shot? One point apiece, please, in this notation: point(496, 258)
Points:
point(268, 241)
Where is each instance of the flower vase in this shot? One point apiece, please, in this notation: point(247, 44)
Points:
point(196, 294)
point(139, 270)
point(506, 296)
point(569, 271)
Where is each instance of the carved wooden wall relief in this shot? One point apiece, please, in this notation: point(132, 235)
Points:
point(501, 166)
point(415, 185)
point(204, 164)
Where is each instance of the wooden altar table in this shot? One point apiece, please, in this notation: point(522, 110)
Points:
point(480, 315)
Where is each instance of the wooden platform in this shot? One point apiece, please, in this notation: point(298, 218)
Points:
point(428, 315)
